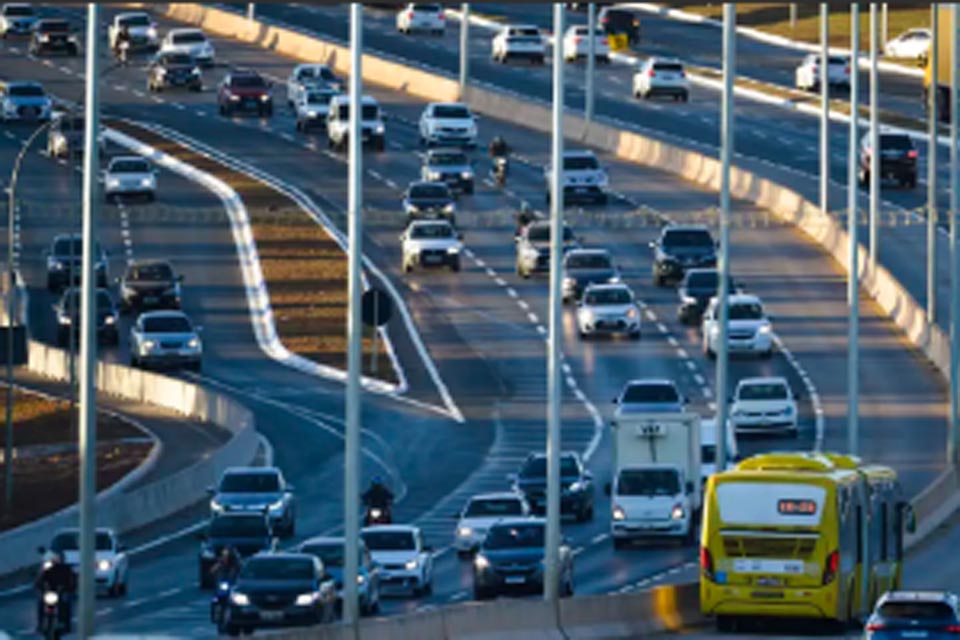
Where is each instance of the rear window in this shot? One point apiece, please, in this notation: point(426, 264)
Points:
point(369, 112)
point(129, 166)
point(668, 67)
point(491, 508)
point(250, 483)
point(429, 191)
point(297, 569)
point(526, 32)
point(588, 261)
point(189, 38)
point(688, 238)
point(26, 90)
point(448, 160)
point(53, 25)
point(247, 81)
point(135, 21)
point(916, 611)
point(177, 59)
point(427, 8)
point(150, 272)
point(896, 142)
point(651, 393)
point(451, 111)
point(541, 233)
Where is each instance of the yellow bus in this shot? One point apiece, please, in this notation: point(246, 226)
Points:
point(781, 537)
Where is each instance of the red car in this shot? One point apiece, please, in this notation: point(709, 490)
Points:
point(245, 91)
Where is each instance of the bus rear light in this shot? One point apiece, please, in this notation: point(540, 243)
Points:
point(706, 563)
point(831, 567)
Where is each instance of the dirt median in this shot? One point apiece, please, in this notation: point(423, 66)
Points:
point(304, 268)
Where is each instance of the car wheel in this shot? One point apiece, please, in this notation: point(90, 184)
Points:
point(568, 588)
point(768, 354)
point(481, 594)
point(468, 190)
point(455, 266)
point(122, 591)
point(657, 280)
point(635, 335)
point(407, 267)
point(684, 97)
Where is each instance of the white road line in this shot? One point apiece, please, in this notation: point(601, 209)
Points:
point(390, 183)
point(375, 174)
point(683, 353)
point(662, 328)
point(700, 380)
point(672, 341)
point(139, 94)
point(512, 292)
point(532, 317)
point(651, 316)
point(691, 365)
point(543, 331)
point(523, 305)
point(480, 263)
point(491, 272)
point(500, 281)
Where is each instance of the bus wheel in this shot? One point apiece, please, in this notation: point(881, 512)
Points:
point(726, 624)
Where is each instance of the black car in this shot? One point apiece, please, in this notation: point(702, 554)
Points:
point(68, 317)
point(511, 560)
point(914, 614)
point(280, 590)
point(173, 70)
point(620, 21)
point(695, 291)
point(64, 262)
point(248, 533)
point(150, 284)
point(576, 494)
point(680, 248)
point(53, 36)
point(430, 200)
point(583, 267)
point(898, 159)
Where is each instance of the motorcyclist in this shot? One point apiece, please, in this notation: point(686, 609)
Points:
point(499, 148)
point(378, 495)
point(55, 576)
point(122, 44)
point(524, 218)
point(227, 566)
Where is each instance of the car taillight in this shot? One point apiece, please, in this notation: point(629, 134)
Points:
point(603, 41)
point(410, 14)
point(912, 154)
point(874, 626)
point(683, 74)
point(952, 628)
point(442, 16)
point(706, 563)
point(577, 40)
point(831, 567)
point(847, 70)
point(652, 73)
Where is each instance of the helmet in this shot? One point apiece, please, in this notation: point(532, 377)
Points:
point(377, 480)
point(51, 558)
point(226, 552)
point(525, 207)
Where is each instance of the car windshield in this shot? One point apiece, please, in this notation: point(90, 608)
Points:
point(763, 391)
point(537, 467)
point(389, 540)
point(541, 233)
point(135, 21)
point(588, 261)
point(668, 67)
point(922, 611)
point(432, 191)
point(278, 569)
point(26, 90)
point(582, 31)
point(50, 26)
point(330, 553)
point(167, 324)
point(18, 10)
point(448, 159)
point(518, 536)
point(493, 507)
point(189, 37)
point(450, 111)
point(746, 311)
point(129, 166)
point(64, 247)
point(250, 483)
point(71, 300)
point(648, 482)
point(580, 163)
point(239, 526)
point(70, 541)
point(608, 296)
point(687, 238)
point(323, 73)
point(369, 112)
point(177, 60)
point(703, 280)
point(900, 143)
point(150, 272)
point(250, 81)
point(648, 393)
point(320, 97)
point(431, 231)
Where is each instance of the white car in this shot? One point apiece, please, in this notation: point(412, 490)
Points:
point(749, 330)
point(113, 565)
point(17, 19)
point(912, 44)
point(129, 176)
point(608, 309)
point(708, 447)
point(661, 76)
point(808, 73)
point(142, 29)
point(430, 243)
point(312, 107)
point(24, 101)
point(482, 512)
point(764, 405)
point(583, 178)
point(576, 44)
point(371, 123)
point(448, 123)
point(405, 562)
point(165, 338)
point(306, 77)
point(422, 17)
point(192, 42)
point(519, 41)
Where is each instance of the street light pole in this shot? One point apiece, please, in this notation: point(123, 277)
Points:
point(874, 141)
point(853, 229)
point(824, 107)
point(591, 61)
point(351, 472)
point(726, 156)
point(954, 443)
point(932, 148)
point(88, 329)
point(251, 11)
point(552, 536)
point(464, 48)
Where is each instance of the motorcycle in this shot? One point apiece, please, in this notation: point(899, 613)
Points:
point(218, 605)
point(501, 166)
point(122, 52)
point(55, 622)
point(377, 515)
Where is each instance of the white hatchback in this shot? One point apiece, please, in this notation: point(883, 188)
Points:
point(764, 405)
point(429, 18)
point(129, 176)
point(608, 309)
point(482, 512)
point(661, 76)
point(405, 562)
point(808, 73)
point(576, 44)
point(749, 330)
point(192, 42)
point(112, 563)
point(448, 123)
point(911, 44)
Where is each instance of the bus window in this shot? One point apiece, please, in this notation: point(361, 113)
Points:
point(883, 531)
point(859, 534)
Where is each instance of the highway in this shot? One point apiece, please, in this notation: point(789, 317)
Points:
point(487, 345)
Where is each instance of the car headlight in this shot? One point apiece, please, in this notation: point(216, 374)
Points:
point(765, 329)
point(113, 182)
point(306, 599)
point(216, 507)
point(64, 319)
point(613, 280)
point(195, 71)
point(312, 113)
point(576, 487)
point(379, 128)
point(152, 32)
point(411, 564)
point(464, 532)
point(453, 250)
point(678, 512)
point(194, 343)
point(481, 562)
point(234, 98)
point(44, 37)
point(104, 565)
point(688, 299)
point(433, 175)
point(265, 97)
point(241, 599)
point(409, 207)
point(55, 265)
point(618, 513)
point(449, 208)
point(569, 282)
point(146, 182)
point(51, 598)
point(149, 345)
point(161, 71)
point(466, 175)
point(276, 506)
point(110, 320)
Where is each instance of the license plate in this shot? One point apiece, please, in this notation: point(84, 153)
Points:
point(788, 567)
point(150, 300)
point(271, 616)
point(767, 595)
point(769, 582)
point(431, 259)
point(913, 634)
point(515, 580)
point(581, 190)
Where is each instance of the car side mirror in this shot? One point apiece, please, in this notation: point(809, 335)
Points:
point(199, 329)
point(588, 475)
point(427, 548)
point(652, 244)
point(730, 400)
point(686, 401)
point(615, 401)
point(121, 547)
point(511, 478)
point(689, 487)
point(211, 490)
point(608, 489)
point(290, 488)
point(797, 397)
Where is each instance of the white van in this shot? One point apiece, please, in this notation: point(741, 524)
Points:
point(371, 125)
point(708, 447)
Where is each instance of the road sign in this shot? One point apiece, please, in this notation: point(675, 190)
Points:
point(376, 308)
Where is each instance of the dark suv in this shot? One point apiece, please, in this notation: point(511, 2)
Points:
point(64, 262)
point(53, 36)
point(249, 533)
point(680, 248)
point(576, 485)
point(619, 21)
point(172, 70)
point(695, 291)
point(68, 317)
point(898, 159)
point(914, 614)
point(245, 91)
point(150, 284)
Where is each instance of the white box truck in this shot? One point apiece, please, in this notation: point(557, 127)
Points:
point(656, 490)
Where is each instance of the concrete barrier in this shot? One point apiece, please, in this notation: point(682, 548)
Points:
point(126, 510)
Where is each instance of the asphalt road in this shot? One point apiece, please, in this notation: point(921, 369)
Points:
point(441, 464)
